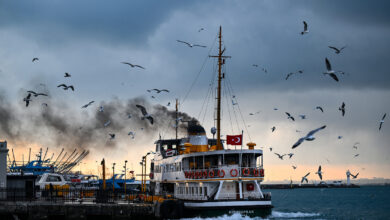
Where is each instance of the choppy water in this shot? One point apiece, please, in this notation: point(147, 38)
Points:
point(367, 202)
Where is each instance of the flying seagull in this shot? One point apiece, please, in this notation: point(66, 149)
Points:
point(67, 75)
point(189, 44)
point(44, 104)
point(320, 108)
point(86, 105)
point(336, 50)
point(290, 155)
point(289, 116)
point(305, 31)
point(270, 148)
point(133, 65)
point(355, 145)
point(101, 109)
point(273, 128)
point(129, 116)
point(329, 71)
point(342, 109)
point(302, 116)
point(160, 90)
point(36, 94)
point(280, 156)
point(319, 172)
point(201, 29)
point(339, 137)
point(145, 113)
point(27, 99)
point(294, 167)
point(308, 137)
point(107, 123)
point(382, 121)
point(356, 155)
point(354, 176)
point(112, 136)
point(304, 178)
point(35, 59)
point(65, 87)
point(169, 104)
point(132, 134)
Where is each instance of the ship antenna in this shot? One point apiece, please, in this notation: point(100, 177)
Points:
point(220, 77)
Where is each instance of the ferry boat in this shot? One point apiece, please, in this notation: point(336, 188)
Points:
point(205, 175)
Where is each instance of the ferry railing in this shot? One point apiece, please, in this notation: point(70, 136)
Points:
point(224, 172)
point(75, 195)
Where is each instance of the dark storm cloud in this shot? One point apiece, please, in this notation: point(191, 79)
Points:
point(56, 21)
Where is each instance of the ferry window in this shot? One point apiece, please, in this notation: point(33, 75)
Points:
point(196, 190)
point(186, 189)
point(211, 161)
point(200, 191)
point(53, 179)
point(205, 191)
point(192, 190)
point(199, 162)
point(231, 159)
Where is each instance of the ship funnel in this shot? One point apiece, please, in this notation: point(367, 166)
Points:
point(197, 139)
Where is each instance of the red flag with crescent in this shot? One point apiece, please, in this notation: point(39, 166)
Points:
point(234, 139)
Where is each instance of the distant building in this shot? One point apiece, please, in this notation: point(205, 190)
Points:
point(3, 168)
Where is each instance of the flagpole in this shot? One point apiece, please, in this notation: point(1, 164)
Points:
point(242, 141)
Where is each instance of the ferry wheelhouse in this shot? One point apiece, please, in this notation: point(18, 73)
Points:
point(205, 174)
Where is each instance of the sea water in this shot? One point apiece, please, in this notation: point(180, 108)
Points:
point(367, 202)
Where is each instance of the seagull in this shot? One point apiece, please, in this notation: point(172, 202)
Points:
point(65, 87)
point(129, 116)
point(107, 123)
point(234, 103)
point(297, 131)
point(145, 114)
point(189, 44)
point(289, 116)
point(112, 136)
point(133, 65)
point(329, 71)
point(382, 121)
point(132, 134)
point(160, 90)
point(356, 155)
point(354, 176)
point(288, 75)
point(36, 94)
point(342, 109)
point(320, 108)
point(280, 156)
point(354, 146)
point(44, 104)
point(339, 137)
point(101, 109)
point(302, 116)
point(294, 167)
point(255, 65)
point(27, 99)
point(67, 75)
point(319, 172)
point(275, 109)
point(308, 137)
point(201, 29)
point(270, 148)
point(290, 155)
point(304, 178)
point(336, 50)
point(273, 128)
point(86, 105)
point(305, 31)
point(169, 104)
point(35, 59)
point(152, 97)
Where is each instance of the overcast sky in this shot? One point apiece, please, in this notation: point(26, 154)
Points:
point(90, 39)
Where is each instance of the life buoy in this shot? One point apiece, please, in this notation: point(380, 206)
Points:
point(255, 172)
point(245, 172)
point(219, 173)
point(186, 174)
point(198, 174)
point(262, 172)
point(192, 174)
point(151, 175)
point(204, 174)
point(211, 173)
point(235, 172)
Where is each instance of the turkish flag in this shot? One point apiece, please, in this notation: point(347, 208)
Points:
point(234, 139)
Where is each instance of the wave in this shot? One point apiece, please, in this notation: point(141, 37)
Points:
point(276, 214)
point(235, 216)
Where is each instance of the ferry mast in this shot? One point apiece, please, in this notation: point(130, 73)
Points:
point(221, 61)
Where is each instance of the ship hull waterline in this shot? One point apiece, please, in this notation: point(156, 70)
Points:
point(215, 209)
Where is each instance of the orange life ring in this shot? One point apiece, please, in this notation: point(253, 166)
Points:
point(245, 172)
point(231, 172)
point(255, 172)
point(211, 173)
point(219, 173)
point(262, 172)
point(204, 174)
